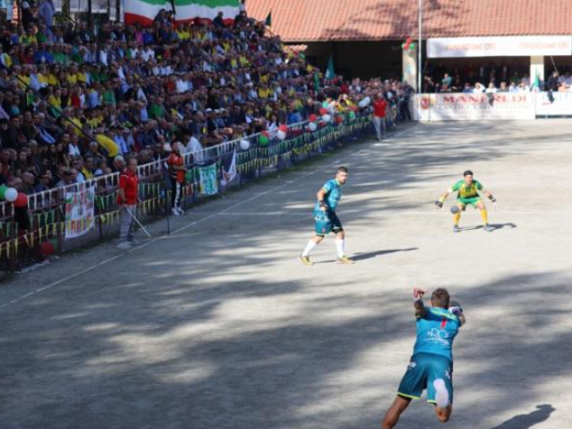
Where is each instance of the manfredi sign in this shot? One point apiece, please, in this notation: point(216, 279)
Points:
point(517, 46)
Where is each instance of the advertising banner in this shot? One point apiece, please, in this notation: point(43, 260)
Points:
point(472, 107)
point(79, 212)
point(517, 46)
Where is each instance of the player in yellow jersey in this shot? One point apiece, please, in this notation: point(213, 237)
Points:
point(468, 194)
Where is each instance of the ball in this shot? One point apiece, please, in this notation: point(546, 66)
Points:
point(454, 209)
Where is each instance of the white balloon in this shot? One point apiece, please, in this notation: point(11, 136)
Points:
point(313, 126)
point(367, 101)
point(244, 144)
point(11, 195)
point(281, 135)
point(326, 118)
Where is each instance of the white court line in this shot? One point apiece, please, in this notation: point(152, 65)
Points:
point(190, 225)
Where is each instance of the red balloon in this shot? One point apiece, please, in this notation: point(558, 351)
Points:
point(22, 200)
point(283, 128)
point(265, 134)
point(323, 111)
point(47, 249)
point(339, 119)
point(313, 118)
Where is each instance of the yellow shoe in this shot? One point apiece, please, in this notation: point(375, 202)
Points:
point(344, 260)
point(305, 260)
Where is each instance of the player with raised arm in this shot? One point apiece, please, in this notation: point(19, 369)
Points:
point(468, 194)
point(431, 366)
point(326, 219)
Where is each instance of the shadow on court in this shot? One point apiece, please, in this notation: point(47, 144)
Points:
point(525, 421)
point(371, 255)
point(495, 226)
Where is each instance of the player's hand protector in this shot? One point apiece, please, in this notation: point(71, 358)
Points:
point(439, 204)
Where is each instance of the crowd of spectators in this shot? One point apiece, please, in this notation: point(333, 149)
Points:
point(77, 99)
point(489, 78)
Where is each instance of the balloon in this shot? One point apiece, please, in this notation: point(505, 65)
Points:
point(339, 119)
point(326, 118)
point(283, 128)
point(47, 249)
point(189, 176)
point(323, 111)
point(263, 140)
point(11, 194)
point(21, 200)
point(313, 118)
point(313, 126)
point(352, 114)
point(281, 135)
point(244, 144)
point(3, 190)
point(364, 102)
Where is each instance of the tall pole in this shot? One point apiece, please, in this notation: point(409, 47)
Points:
point(419, 49)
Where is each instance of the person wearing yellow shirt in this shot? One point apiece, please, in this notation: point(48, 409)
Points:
point(109, 145)
point(263, 92)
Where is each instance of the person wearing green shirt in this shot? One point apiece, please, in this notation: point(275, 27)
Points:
point(468, 194)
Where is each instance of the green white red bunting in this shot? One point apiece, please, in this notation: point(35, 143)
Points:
point(144, 11)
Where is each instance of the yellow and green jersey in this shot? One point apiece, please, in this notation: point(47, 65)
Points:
point(467, 191)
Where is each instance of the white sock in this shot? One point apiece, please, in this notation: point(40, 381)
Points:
point(340, 248)
point(309, 247)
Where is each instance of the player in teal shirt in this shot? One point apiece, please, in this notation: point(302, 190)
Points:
point(326, 220)
point(431, 365)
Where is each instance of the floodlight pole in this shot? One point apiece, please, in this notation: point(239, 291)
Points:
point(419, 48)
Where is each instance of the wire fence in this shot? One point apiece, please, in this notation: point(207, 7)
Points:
point(32, 234)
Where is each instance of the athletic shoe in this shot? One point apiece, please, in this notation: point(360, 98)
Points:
point(175, 212)
point(134, 242)
point(344, 260)
point(488, 228)
point(456, 229)
point(124, 245)
point(441, 393)
point(181, 211)
point(305, 260)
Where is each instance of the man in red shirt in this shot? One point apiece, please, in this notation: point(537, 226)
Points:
point(379, 108)
point(177, 172)
point(127, 198)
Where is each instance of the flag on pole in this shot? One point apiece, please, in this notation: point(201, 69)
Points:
point(330, 74)
point(268, 20)
point(536, 83)
point(229, 172)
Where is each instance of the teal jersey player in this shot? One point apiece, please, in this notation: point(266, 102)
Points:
point(326, 220)
point(333, 195)
point(436, 332)
point(431, 366)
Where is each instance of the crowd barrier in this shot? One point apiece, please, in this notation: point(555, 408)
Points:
point(80, 215)
point(499, 106)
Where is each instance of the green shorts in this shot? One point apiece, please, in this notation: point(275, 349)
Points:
point(422, 371)
point(469, 201)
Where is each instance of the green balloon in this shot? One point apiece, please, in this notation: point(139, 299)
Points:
point(189, 176)
point(3, 189)
point(263, 140)
point(352, 114)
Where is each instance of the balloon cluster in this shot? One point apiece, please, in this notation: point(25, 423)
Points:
point(282, 131)
point(409, 44)
point(19, 199)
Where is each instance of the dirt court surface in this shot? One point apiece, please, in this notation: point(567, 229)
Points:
point(219, 326)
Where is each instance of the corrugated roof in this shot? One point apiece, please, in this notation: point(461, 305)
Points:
point(344, 20)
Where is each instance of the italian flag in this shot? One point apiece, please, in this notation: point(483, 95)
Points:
point(144, 11)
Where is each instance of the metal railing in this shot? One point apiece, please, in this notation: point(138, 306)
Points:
point(43, 231)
